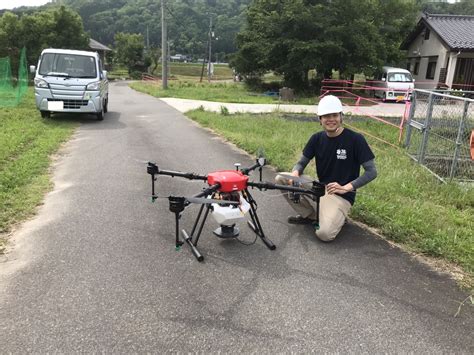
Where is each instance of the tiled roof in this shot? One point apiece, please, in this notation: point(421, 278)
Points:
point(456, 31)
point(97, 45)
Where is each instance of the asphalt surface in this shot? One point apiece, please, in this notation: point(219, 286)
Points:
point(97, 271)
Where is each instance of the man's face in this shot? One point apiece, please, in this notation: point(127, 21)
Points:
point(331, 122)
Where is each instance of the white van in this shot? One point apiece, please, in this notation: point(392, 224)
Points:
point(394, 84)
point(70, 81)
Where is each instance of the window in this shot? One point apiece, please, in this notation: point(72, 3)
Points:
point(417, 67)
point(399, 78)
point(70, 65)
point(431, 69)
point(427, 34)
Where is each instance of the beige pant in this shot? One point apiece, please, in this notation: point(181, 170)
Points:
point(333, 210)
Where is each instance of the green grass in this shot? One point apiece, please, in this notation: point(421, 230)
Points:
point(218, 92)
point(187, 71)
point(26, 144)
point(406, 203)
point(221, 71)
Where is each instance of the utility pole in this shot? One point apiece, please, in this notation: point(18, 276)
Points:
point(209, 63)
point(164, 48)
point(147, 38)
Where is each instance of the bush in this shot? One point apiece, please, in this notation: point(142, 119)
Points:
point(224, 111)
point(136, 75)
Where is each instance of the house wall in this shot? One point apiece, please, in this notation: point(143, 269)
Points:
point(421, 49)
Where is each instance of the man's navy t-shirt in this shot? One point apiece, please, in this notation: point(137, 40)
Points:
point(338, 159)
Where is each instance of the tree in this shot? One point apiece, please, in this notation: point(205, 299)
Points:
point(57, 27)
point(129, 51)
point(290, 37)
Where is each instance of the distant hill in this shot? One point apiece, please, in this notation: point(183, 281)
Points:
point(188, 22)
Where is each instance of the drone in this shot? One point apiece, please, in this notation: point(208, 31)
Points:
point(227, 198)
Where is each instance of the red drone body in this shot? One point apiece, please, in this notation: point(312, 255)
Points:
point(227, 198)
point(229, 180)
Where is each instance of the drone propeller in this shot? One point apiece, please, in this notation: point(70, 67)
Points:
point(300, 179)
point(202, 200)
point(198, 200)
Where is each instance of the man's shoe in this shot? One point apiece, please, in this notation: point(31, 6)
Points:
point(300, 220)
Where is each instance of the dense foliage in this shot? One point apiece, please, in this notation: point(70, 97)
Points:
point(58, 27)
point(291, 37)
point(188, 22)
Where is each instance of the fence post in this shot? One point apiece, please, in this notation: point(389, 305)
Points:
point(458, 141)
point(426, 131)
point(410, 118)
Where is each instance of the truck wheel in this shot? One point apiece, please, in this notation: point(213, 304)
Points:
point(106, 105)
point(100, 115)
point(45, 114)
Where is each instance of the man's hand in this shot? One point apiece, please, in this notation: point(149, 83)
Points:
point(293, 173)
point(334, 187)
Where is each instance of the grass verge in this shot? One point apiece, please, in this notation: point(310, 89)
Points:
point(26, 144)
point(405, 203)
point(219, 92)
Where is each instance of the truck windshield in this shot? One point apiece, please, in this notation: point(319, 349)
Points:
point(399, 78)
point(68, 65)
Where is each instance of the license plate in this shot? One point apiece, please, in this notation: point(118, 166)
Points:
point(400, 98)
point(55, 105)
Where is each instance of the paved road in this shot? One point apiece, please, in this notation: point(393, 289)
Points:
point(96, 270)
point(379, 110)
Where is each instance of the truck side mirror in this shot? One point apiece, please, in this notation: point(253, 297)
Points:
point(32, 69)
point(383, 79)
point(104, 73)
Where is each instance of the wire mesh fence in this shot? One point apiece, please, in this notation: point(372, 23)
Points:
point(438, 134)
point(12, 88)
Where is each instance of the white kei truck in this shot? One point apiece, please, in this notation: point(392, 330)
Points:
point(70, 81)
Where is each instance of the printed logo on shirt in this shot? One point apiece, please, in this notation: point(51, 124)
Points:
point(341, 154)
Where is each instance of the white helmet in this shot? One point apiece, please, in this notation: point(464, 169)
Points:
point(329, 104)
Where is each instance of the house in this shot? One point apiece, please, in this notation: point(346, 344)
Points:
point(99, 48)
point(440, 52)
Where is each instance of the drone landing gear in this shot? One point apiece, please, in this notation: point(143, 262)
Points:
point(178, 204)
point(254, 223)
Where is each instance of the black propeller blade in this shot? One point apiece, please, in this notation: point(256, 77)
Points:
point(198, 200)
point(300, 179)
point(202, 200)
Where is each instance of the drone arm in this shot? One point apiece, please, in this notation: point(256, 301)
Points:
point(260, 162)
point(210, 190)
point(189, 176)
point(318, 190)
point(153, 170)
point(246, 171)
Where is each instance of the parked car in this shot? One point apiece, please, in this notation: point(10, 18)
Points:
point(70, 81)
point(394, 84)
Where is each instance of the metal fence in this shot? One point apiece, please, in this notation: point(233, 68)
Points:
point(438, 133)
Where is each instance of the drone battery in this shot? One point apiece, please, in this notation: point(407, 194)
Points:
point(229, 180)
